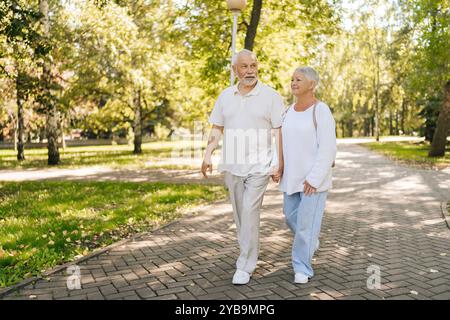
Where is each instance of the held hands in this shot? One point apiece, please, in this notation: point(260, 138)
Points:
point(277, 174)
point(308, 189)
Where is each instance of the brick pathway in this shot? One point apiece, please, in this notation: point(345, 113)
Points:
point(379, 214)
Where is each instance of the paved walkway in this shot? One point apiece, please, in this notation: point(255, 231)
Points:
point(379, 215)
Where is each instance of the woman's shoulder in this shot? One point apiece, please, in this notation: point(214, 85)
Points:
point(286, 111)
point(323, 107)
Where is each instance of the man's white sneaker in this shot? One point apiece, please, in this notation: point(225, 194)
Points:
point(301, 278)
point(241, 277)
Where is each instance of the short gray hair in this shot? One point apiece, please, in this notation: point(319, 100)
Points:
point(310, 73)
point(243, 52)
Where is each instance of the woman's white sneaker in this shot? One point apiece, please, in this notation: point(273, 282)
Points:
point(241, 277)
point(301, 278)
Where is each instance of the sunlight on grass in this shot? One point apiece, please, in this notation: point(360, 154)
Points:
point(413, 153)
point(43, 224)
point(111, 156)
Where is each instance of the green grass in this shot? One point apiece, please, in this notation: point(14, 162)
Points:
point(112, 156)
point(412, 153)
point(43, 224)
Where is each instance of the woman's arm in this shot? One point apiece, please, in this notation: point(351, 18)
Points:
point(326, 153)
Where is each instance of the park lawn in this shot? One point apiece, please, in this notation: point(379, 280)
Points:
point(154, 155)
point(412, 153)
point(43, 224)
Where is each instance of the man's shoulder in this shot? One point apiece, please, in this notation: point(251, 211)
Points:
point(227, 91)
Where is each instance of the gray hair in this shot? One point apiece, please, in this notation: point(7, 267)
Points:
point(309, 73)
point(243, 52)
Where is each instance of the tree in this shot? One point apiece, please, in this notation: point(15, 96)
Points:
point(443, 126)
point(253, 26)
point(47, 98)
point(22, 49)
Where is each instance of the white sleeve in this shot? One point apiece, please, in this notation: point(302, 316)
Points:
point(216, 116)
point(276, 112)
point(326, 139)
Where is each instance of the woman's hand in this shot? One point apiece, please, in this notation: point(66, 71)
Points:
point(308, 189)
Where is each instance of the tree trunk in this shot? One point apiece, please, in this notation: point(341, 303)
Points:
point(61, 125)
point(253, 27)
point(391, 124)
point(350, 128)
point(402, 123)
point(52, 113)
point(52, 136)
point(377, 114)
point(366, 121)
point(20, 121)
point(137, 123)
point(443, 126)
point(396, 123)
point(372, 125)
point(15, 135)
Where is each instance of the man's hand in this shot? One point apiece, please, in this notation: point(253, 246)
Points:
point(213, 141)
point(206, 167)
point(308, 189)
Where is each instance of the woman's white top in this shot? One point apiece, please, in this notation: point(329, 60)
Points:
point(308, 153)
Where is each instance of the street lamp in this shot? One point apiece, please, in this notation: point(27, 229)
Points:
point(236, 6)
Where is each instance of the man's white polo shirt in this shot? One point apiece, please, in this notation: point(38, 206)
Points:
point(248, 121)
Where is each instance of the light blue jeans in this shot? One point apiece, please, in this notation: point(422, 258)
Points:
point(304, 217)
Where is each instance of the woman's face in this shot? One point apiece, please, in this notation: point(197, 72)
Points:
point(300, 84)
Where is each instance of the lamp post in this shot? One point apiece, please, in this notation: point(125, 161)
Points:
point(236, 6)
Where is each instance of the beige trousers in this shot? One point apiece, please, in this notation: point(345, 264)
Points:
point(246, 196)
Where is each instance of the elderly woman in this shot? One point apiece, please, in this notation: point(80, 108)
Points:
point(306, 156)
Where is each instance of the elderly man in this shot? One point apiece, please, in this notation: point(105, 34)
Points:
point(245, 114)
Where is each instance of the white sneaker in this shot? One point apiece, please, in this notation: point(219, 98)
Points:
point(241, 277)
point(301, 278)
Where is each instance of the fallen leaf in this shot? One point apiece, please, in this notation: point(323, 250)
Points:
point(51, 242)
point(414, 292)
point(32, 296)
point(434, 270)
point(68, 240)
point(44, 236)
point(64, 232)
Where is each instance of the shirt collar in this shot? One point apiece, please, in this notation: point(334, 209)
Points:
point(255, 91)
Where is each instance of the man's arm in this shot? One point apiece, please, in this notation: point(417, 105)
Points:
point(213, 141)
point(278, 172)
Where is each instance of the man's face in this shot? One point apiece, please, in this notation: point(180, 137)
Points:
point(246, 69)
point(300, 84)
